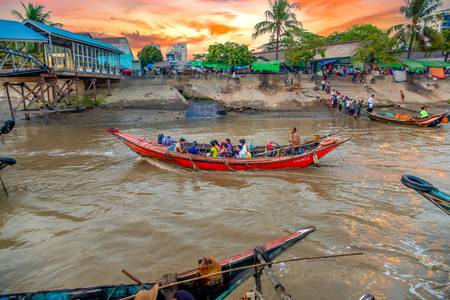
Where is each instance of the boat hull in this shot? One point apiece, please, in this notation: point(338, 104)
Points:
point(431, 121)
point(149, 149)
point(231, 280)
point(427, 190)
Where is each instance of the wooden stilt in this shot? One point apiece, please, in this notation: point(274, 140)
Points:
point(95, 90)
point(43, 101)
point(4, 187)
point(76, 92)
point(108, 83)
point(9, 100)
point(27, 116)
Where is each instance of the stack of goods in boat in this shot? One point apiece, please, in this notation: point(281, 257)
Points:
point(258, 158)
point(427, 190)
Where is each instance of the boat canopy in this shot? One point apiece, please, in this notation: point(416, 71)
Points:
point(389, 65)
point(412, 65)
point(270, 66)
point(433, 63)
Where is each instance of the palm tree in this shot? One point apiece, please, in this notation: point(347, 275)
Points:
point(419, 13)
point(35, 12)
point(280, 18)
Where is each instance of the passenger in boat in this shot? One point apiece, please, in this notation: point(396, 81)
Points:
point(193, 148)
point(173, 293)
point(214, 151)
point(295, 138)
point(370, 103)
point(179, 147)
point(243, 149)
point(423, 113)
point(229, 146)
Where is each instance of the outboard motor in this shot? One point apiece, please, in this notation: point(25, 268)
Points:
point(7, 127)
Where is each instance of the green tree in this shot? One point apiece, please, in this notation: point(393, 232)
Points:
point(280, 18)
point(444, 45)
point(415, 32)
point(150, 54)
point(378, 46)
point(35, 12)
point(230, 53)
point(360, 32)
point(303, 47)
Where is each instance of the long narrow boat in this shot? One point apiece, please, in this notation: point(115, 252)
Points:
point(402, 119)
point(150, 149)
point(231, 280)
point(426, 189)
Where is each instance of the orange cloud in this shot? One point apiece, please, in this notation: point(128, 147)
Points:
point(138, 40)
point(382, 19)
point(214, 28)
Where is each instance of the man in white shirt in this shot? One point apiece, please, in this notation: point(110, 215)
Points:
point(370, 102)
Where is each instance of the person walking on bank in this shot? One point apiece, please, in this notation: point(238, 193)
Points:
point(402, 96)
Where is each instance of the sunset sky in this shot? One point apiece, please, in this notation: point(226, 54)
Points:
point(203, 22)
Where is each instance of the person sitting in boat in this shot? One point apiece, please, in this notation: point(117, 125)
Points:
point(193, 148)
point(214, 151)
point(179, 147)
point(423, 113)
point(243, 149)
point(173, 293)
point(295, 139)
point(229, 146)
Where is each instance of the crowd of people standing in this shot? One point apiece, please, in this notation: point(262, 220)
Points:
point(345, 104)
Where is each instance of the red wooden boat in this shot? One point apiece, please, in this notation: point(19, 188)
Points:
point(150, 149)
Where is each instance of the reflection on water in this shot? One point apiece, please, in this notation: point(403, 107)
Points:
point(83, 206)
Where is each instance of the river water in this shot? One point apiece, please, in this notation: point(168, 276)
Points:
point(83, 206)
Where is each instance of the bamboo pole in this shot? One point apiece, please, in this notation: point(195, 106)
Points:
point(250, 267)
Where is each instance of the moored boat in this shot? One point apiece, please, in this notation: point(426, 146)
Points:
point(427, 190)
point(229, 282)
point(310, 154)
point(407, 118)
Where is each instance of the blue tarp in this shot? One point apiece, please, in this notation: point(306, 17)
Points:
point(13, 31)
point(325, 62)
point(72, 36)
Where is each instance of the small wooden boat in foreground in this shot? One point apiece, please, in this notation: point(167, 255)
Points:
point(426, 189)
point(229, 282)
point(407, 119)
point(312, 152)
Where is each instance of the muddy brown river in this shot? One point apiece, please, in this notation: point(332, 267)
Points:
point(83, 206)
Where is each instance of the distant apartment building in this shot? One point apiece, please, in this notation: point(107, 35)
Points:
point(177, 52)
point(442, 20)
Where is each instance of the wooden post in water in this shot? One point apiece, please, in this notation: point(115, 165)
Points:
point(76, 80)
point(108, 83)
point(27, 116)
point(5, 85)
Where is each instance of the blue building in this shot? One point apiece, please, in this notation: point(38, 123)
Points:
point(127, 60)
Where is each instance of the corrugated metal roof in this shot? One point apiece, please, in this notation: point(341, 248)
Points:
point(340, 50)
point(17, 32)
point(72, 36)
